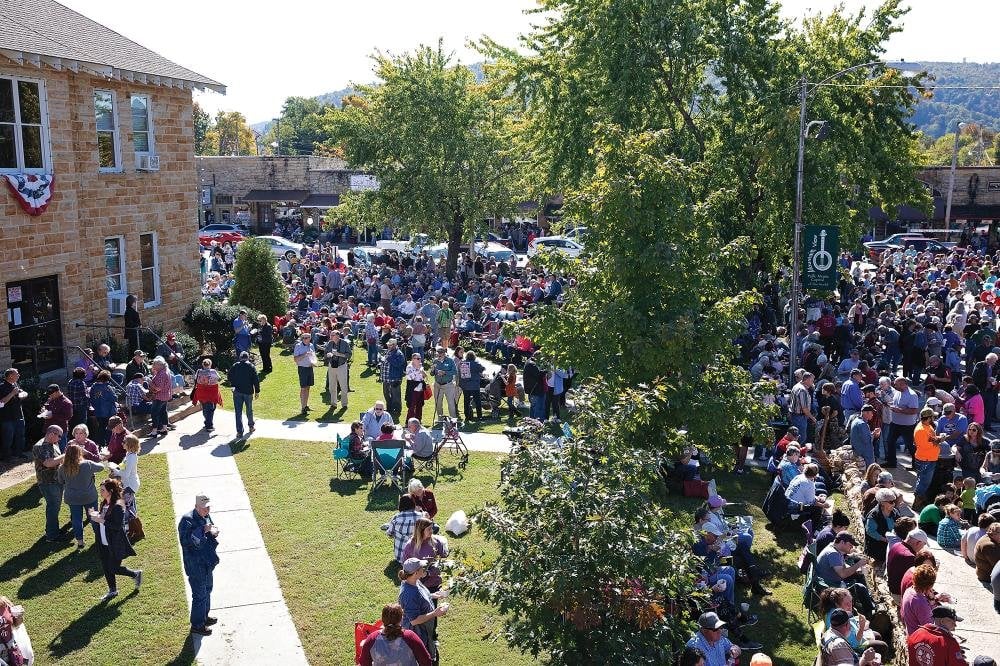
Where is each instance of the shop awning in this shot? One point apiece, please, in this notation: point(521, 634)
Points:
point(291, 196)
point(320, 201)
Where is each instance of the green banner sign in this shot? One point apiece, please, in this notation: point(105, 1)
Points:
point(820, 251)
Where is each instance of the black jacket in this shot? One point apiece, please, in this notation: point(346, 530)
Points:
point(243, 378)
point(115, 531)
point(534, 379)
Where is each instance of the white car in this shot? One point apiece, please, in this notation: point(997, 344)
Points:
point(494, 251)
point(578, 234)
point(282, 247)
point(556, 244)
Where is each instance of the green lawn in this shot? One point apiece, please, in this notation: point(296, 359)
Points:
point(334, 563)
point(279, 396)
point(59, 588)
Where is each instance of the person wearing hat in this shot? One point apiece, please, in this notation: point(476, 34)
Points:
point(905, 415)
point(48, 456)
point(711, 640)
point(935, 642)
point(720, 577)
point(444, 372)
point(419, 613)
point(246, 386)
point(305, 360)
point(983, 660)
point(861, 434)
point(138, 364)
point(926, 453)
point(199, 539)
point(832, 567)
point(836, 650)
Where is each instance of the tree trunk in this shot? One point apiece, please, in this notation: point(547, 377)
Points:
point(454, 241)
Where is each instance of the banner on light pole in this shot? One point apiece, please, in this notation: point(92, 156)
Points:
point(821, 250)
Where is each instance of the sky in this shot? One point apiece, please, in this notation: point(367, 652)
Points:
point(267, 51)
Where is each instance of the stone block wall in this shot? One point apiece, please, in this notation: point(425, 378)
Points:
point(67, 240)
point(984, 181)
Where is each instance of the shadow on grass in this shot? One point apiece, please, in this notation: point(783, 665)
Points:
point(391, 572)
point(332, 414)
point(27, 500)
point(187, 653)
point(347, 487)
point(78, 634)
point(368, 372)
point(383, 499)
point(29, 559)
point(233, 448)
point(58, 572)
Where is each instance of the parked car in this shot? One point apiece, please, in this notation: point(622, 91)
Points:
point(555, 244)
point(282, 247)
point(578, 234)
point(919, 242)
point(493, 238)
point(494, 251)
point(220, 233)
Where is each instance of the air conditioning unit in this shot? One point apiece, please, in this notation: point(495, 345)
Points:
point(116, 304)
point(148, 162)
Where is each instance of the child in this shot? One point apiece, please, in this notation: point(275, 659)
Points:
point(386, 431)
point(130, 475)
point(932, 514)
point(949, 530)
point(969, 499)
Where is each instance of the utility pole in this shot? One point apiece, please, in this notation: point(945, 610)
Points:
point(951, 181)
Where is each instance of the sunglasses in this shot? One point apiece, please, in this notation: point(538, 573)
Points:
point(379, 409)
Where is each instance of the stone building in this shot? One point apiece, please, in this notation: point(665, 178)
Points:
point(110, 123)
point(250, 190)
point(975, 197)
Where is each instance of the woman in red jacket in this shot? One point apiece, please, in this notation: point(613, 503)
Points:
point(206, 391)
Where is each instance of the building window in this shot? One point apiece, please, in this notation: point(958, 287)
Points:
point(23, 134)
point(142, 125)
point(35, 325)
point(108, 147)
point(114, 265)
point(150, 263)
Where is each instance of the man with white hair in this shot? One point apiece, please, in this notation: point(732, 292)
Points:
point(374, 419)
point(419, 439)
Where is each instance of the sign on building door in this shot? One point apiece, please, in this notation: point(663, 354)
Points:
point(821, 249)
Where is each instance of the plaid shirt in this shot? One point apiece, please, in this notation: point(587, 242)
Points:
point(383, 370)
point(76, 391)
point(400, 528)
point(135, 394)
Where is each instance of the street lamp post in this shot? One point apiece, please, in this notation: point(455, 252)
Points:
point(804, 92)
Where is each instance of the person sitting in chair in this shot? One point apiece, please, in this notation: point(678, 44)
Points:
point(419, 439)
point(374, 419)
point(358, 452)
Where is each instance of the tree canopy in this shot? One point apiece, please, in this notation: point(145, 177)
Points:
point(229, 135)
point(438, 142)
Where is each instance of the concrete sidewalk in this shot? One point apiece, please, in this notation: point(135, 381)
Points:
point(981, 628)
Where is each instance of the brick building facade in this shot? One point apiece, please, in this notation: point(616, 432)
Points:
point(116, 223)
point(252, 187)
point(975, 197)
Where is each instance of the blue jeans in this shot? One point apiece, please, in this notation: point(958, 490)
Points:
point(11, 438)
point(802, 423)
point(373, 353)
point(241, 400)
point(76, 518)
point(537, 406)
point(727, 574)
point(201, 597)
point(208, 411)
point(925, 474)
point(52, 492)
point(159, 414)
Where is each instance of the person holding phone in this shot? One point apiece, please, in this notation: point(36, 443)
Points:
point(419, 613)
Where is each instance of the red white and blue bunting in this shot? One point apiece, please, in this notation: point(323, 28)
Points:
point(33, 192)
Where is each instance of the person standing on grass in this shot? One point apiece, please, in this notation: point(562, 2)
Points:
point(246, 386)
point(393, 645)
point(48, 456)
point(206, 391)
point(305, 361)
point(78, 477)
point(199, 539)
point(444, 370)
point(241, 332)
point(112, 537)
point(419, 613)
point(116, 439)
point(265, 338)
point(416, 380)
point(392, 370)
point(338, 355)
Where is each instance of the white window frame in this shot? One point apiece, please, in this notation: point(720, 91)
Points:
point(149, 125)
point(18, 139)
point(123, 265)
point(155, 268)
point(115, 133)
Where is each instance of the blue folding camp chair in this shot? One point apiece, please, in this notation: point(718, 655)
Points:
point(388, 464)
point(346, 468)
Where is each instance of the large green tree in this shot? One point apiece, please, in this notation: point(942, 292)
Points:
point(439, 143)
point(257, 282)
point(202, 123)
point(300, 126)
point(230, 135)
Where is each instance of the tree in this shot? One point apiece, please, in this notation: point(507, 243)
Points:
point(230, 135)
point(257, 283)
point(438, 143)
point(300, 126)
point(202, 123)
point(975, 147)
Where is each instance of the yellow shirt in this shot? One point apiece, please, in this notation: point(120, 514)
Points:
point(927, 449)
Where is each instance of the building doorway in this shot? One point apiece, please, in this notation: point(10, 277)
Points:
point(34, 318)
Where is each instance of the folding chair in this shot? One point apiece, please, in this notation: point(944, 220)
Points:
point(388, 464)
point(342, 459)
point(431, 463)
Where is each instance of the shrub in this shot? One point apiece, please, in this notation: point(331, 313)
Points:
point(257, 282)
point(211, 324)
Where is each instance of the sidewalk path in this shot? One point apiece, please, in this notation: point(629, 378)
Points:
point(981, 628)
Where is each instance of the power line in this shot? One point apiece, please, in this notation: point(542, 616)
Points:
point(931, 87)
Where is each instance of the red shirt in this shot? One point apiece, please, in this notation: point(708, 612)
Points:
point(897, 561)
point(826, 324)
point(930, 645)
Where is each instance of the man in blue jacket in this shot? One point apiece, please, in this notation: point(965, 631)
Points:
point(199, 539)
point(393, 367)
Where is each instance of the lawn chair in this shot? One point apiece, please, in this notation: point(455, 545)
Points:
point(812, 585)
point(430, 464)
point(388, 464)
point(342, 459)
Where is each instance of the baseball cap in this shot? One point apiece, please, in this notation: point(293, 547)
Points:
point(945, 610)
point(201, 501)
point(983, 660)
point(171, 336)
point(413, 564)
point(710, 621)
point(868, 388)
point(138, 352)
point(711, 528)
point(917, 534)
point(52, 388)
point(884, 477)
point(839, 618)
point(715, 501)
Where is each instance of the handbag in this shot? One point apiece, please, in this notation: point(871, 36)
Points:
point(363, 630)
point(428, 392)
point(135, 532)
